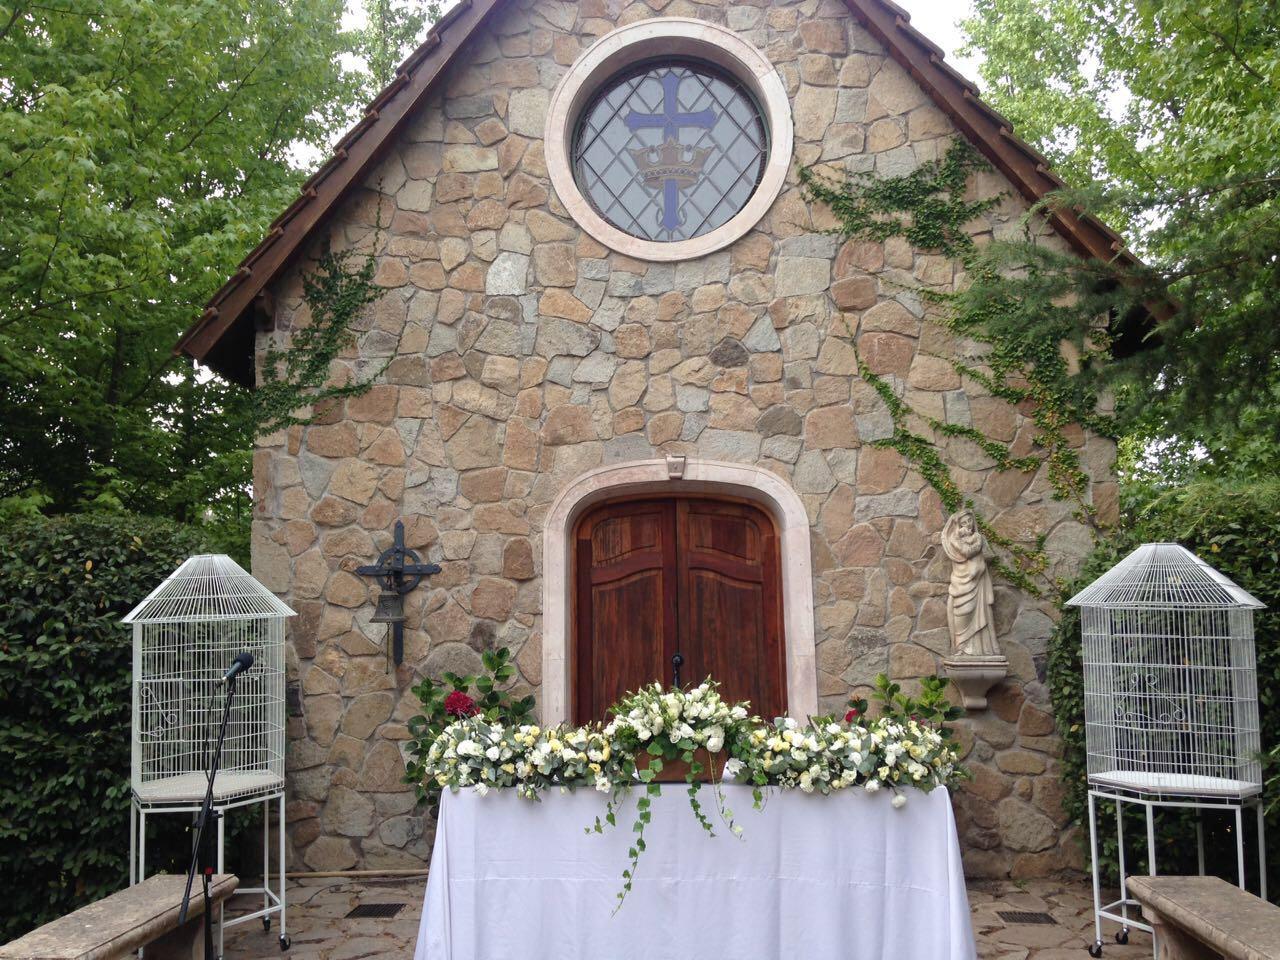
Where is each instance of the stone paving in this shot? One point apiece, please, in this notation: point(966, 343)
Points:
point(317, 909)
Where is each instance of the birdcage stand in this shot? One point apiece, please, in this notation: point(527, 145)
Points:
point(273, 895)
point(212, 811)
point(1126, 910)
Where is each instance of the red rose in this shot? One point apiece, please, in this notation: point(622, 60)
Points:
point(460, 705)
point(850, 716)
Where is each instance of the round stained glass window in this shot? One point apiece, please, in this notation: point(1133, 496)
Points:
point(670, 150)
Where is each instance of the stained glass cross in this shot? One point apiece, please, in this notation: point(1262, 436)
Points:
point(671, 121)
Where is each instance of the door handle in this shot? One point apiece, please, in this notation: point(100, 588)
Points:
point(677, 661)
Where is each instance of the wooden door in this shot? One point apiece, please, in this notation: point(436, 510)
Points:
point(688, 576)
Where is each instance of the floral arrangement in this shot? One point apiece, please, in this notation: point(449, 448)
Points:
point(484, 697)
point(908, 745)
point(482, 754)
point(833, 756)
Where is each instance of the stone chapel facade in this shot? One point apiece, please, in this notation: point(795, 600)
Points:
point(532, 371)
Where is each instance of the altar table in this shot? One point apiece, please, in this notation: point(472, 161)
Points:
point(840, 877)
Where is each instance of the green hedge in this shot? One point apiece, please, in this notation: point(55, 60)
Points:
point(65, 664)
point(1236, 528)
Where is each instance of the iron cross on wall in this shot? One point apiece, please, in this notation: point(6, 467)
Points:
point(397, 571)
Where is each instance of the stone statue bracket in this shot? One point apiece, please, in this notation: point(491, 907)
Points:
point(974, 676)
point(975, 663)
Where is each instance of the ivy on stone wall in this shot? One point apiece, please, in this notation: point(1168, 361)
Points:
point(1027, 366)
point(294, 385)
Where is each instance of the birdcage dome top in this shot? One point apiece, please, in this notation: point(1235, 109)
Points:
point(210, 586)
point(1164, 575)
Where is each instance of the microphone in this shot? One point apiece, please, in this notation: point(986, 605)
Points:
point(241, 663)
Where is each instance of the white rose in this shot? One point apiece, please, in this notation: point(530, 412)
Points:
point(493, 753)
point(899, 801)
point(732, 768)
point(872, 786)
point(482, 788)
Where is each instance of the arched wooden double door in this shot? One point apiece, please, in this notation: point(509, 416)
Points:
point(685, 577)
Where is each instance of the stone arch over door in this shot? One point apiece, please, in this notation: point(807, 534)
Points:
point(656, 478)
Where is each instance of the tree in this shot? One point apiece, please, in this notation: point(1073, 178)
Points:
point(145, 145)
point(391, 30)
point(1165, 119)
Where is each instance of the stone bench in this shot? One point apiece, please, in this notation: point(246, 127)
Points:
point(145, 915)
point(1206, 918)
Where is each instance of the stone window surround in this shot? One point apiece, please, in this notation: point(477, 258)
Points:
point(654, 477)
point(677, 37)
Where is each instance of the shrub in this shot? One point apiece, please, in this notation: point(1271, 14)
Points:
point(65, 671)
point(1236, 528)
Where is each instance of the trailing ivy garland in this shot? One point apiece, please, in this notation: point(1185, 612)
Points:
point(927, 208)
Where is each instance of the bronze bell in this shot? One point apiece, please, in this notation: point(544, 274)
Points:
point(390, 608)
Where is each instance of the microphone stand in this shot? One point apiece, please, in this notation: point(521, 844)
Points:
point(202, 820)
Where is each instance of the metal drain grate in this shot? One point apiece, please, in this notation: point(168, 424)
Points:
point(1022, 916)
point(376, 911)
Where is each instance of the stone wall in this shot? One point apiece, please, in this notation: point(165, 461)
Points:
point(520, 353)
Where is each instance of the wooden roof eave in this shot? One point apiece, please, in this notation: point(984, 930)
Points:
point(991, 133)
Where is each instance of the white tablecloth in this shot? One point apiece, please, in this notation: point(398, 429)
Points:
point(843, 876)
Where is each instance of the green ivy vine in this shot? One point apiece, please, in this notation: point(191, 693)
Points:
point(1024, 365)
point(337, 289)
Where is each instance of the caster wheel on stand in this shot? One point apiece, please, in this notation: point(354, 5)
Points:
point(266, 924)
point(285, 943)
point(1095, 950)
point(1122, 936)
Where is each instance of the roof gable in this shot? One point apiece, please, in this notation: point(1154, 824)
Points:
point(222, 337)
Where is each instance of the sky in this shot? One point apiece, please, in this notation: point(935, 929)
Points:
point(939, 21)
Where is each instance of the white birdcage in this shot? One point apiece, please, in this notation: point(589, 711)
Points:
point(185, 636)
point(1170, 707)
point(1170, 682)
